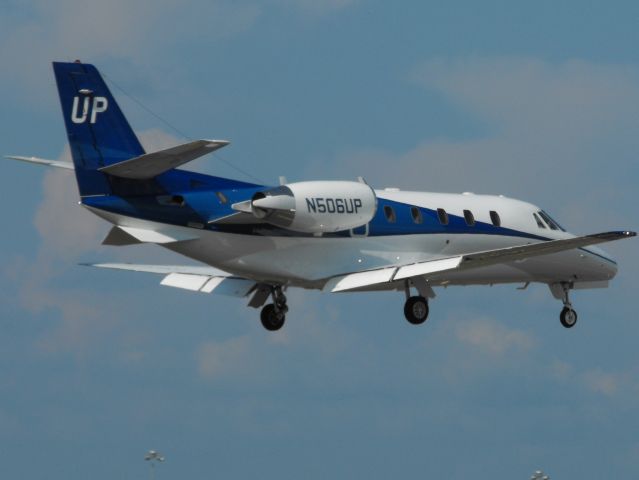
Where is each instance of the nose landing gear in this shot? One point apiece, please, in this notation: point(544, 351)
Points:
point(567, 317)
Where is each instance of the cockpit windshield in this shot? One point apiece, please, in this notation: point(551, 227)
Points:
point(551, 223)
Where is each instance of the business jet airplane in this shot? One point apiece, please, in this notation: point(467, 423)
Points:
point(256, 241)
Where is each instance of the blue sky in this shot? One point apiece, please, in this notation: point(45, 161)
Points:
point(535, 100)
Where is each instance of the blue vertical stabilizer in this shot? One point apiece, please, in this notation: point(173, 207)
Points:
point(99, 134)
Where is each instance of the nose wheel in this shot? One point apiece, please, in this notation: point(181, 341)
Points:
point(567, 317)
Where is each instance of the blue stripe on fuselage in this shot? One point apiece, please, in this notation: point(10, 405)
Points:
point(202, 204)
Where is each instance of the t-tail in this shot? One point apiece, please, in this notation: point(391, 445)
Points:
point(99, 134)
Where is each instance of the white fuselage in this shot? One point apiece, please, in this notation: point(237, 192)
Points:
point(309, 261)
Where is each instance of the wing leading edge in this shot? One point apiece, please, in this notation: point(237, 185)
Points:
point(486, 258)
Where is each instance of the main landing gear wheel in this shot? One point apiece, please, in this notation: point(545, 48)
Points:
point(416, 310)
point(272, 317)
point(568, 317)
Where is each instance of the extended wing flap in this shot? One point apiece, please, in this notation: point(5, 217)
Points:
point(194, 278)
point(426, 268)
point(360, 279)
point(153, 164)
point(186, 281)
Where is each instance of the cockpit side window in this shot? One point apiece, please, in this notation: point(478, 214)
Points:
point(540, 224)
point(548, 219)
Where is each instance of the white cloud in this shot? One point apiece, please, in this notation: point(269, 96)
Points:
point(490, 337)
point(601, 382)
point(35, 33)
point(68, 231)
point(66, 228)
point(561, 370)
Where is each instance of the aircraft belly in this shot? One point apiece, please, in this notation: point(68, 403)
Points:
point(309, 260)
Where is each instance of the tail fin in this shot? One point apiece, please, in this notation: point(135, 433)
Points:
point(99, 134)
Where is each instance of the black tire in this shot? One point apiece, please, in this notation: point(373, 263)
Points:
point(568, 317)
point(416, 310)
point(272, 320)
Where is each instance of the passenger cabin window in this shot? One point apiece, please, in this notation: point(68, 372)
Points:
point(417, 215)
point(540, 224)
point(470, 219)
point(389, 212)
point(494, 217)
point(443, 216)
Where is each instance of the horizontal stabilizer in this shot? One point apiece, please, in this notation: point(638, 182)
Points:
point(42, 161)
point(153, 164)
point(194, 278)
point(370, 278)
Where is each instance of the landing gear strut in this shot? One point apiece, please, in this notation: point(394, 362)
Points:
point(567, 317)
point(273, 315)
point(415, 308)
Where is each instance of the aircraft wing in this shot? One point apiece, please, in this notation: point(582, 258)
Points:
point(43, 161)
point(369, 278)
point(195, 278)
point(153, 164)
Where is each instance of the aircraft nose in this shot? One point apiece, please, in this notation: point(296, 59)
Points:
point(605, 263)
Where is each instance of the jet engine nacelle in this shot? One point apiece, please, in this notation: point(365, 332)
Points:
point(316, 207)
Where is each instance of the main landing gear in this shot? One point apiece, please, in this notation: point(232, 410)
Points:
point(415, 308)
point(567, 317)
point(273, 315)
